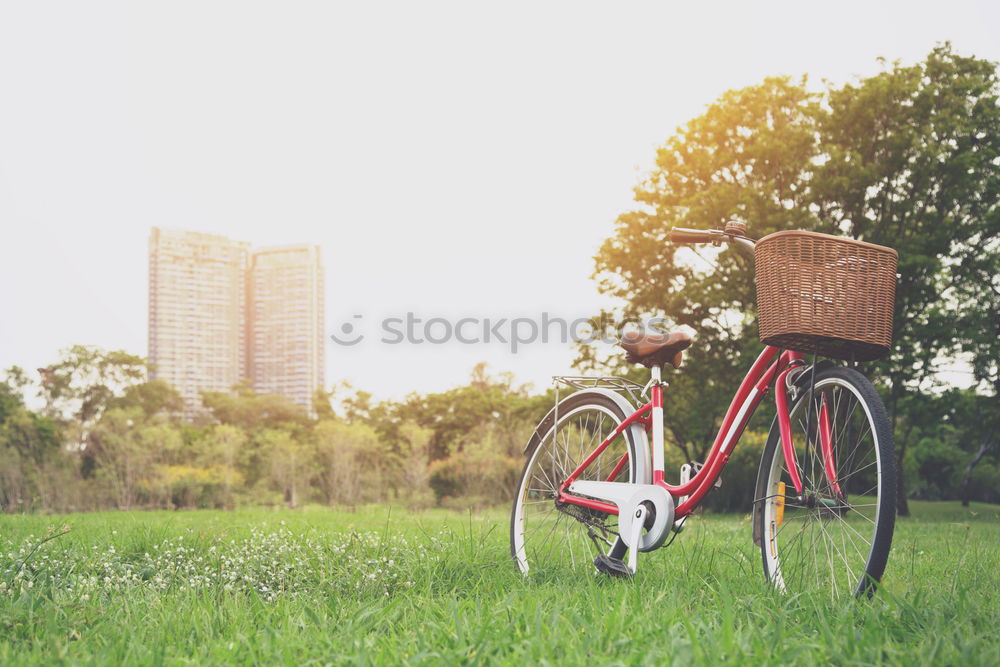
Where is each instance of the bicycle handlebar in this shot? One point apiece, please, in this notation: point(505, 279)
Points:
point(713, 236)
point(681, 235)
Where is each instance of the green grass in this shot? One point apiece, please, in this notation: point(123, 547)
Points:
point(386, 586)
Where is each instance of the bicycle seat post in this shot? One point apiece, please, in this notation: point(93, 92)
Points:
point(656, 398)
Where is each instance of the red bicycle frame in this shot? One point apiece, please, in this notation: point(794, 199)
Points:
point(772, 366)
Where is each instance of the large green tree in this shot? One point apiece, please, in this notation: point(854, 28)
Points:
point(912, 161)
point(907, 158)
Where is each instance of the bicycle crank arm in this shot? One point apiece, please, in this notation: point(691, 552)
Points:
point(657, 518)
point(635, 535)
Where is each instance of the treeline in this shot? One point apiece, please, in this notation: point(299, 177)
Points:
point(107, 439)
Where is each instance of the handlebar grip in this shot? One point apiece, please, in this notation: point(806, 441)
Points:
point(681, 235)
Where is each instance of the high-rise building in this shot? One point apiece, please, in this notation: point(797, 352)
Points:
point(285, 322)
point(220, 313)
point(197, 312)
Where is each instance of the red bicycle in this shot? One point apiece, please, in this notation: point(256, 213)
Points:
point(594, 486)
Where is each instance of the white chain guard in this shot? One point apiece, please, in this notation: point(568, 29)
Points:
point(628, 497)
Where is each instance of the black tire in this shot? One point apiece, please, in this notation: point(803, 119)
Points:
point(542, 535)
point(833, 537)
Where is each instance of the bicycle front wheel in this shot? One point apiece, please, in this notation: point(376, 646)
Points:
point(550, 535)
point(836, 534)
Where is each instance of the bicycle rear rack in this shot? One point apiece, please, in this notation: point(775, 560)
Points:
point(619, 384)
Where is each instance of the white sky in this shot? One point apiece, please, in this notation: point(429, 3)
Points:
point(452, 159)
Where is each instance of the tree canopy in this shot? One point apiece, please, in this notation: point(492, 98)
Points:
point(908, 158)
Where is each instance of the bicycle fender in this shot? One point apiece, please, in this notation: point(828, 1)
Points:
point(643, 465)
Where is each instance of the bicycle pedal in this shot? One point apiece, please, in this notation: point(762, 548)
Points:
point(614, 567)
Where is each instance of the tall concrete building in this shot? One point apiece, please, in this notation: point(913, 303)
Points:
point(197, 312)
point(285, 322)
point(220, 313)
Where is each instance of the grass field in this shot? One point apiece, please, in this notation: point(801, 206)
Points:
point(385, 586)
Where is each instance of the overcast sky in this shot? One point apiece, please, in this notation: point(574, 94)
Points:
point(451, 159)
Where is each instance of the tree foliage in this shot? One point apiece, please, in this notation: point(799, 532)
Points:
point(908, 158)
point(135, 450)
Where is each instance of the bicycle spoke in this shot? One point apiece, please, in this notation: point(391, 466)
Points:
point(549, 535)
point(827, 535)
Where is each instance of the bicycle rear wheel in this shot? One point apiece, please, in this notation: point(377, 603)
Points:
point(546, 534)
point(835, 535)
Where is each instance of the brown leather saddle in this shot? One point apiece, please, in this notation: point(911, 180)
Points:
point(656, 349)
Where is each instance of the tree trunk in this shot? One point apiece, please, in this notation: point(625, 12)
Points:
point(902, 503)
point(967, 478)
point(686, 451)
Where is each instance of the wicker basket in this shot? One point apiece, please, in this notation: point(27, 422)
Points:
point(824, 294)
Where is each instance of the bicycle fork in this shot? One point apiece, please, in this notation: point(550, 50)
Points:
point(787, 446)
